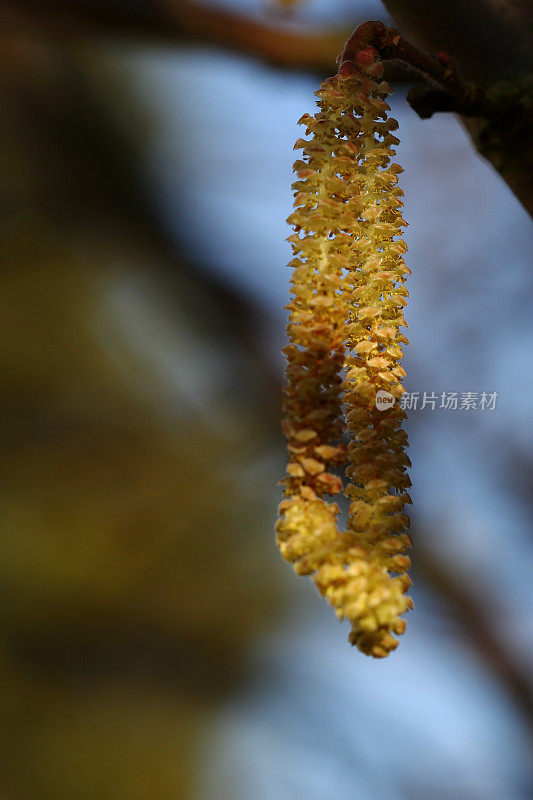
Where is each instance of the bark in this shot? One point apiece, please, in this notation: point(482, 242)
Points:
point(492, 42)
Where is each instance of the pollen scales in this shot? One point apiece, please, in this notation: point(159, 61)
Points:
point(345, 345)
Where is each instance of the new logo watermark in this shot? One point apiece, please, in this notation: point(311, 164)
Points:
point(384, 400)
point(447, 401)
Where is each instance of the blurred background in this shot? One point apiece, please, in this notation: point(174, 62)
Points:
point(153, 644)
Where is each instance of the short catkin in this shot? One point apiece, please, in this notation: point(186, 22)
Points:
point(345, 347)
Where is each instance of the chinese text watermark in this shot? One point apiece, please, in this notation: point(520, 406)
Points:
point(447, 401)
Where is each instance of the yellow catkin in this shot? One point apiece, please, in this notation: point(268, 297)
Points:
point(345, 346)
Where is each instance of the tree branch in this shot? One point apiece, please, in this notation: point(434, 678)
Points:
point(499, 119)
point(447, 88)
point(492, 48)
point(172, 20)
point(491, 40)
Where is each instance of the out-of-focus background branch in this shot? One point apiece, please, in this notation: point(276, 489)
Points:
point(492, 44)
point(180, 20)
point(152, 644)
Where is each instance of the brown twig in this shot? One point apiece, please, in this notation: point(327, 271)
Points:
point(500, 120)
point(446, 89)
point(177, 20)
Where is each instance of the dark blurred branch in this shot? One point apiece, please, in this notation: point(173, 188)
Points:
point(471, 614)
point(493, 44)
point(492, 48)
point(172, 20)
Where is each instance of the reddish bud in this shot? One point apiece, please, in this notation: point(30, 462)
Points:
point(347, 69)
point(375, 70)
point(366, 56)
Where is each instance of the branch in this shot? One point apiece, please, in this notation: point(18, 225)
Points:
point(499, 119)
point(172, 20)
point(491, 40)
point(447, 88)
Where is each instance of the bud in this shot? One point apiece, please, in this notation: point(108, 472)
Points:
point(366, 56)
point(348, 69)
point(375, 70)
